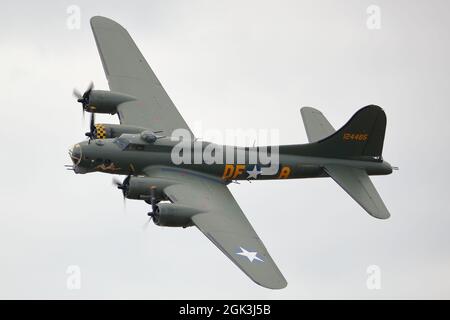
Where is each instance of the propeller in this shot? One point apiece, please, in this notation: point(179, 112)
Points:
point(92, 129)
point(153, 204)
point(84, 98)
point(153, 200)
point(124, 186)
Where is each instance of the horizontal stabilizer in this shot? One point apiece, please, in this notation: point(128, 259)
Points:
point(316, 125)
point(357, 184)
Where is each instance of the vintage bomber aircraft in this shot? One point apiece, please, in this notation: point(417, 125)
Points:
point(196, 194)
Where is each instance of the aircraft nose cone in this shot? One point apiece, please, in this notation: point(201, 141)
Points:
point(75, 154)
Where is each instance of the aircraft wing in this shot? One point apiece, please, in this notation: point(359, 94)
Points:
point(128, 72)
point(223, 222)
point(316, 125)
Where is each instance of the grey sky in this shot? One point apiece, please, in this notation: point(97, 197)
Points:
point(229, 64)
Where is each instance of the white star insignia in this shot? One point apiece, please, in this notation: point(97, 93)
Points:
point(253, 173)
point(250, 255)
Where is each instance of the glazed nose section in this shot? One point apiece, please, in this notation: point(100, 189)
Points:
point(75, 154)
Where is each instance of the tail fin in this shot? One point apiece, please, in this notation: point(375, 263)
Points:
point(362, 136)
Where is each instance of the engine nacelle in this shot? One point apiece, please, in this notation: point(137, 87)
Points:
point(165, 214)
point(139, 188)
point(102, 101)
point(173, 215)
point(107, 131)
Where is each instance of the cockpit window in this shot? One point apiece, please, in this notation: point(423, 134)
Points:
point(122, 143)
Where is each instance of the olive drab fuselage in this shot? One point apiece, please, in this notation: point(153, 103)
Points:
point(235, 163)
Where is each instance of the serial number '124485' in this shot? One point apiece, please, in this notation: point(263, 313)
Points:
point(356, 136)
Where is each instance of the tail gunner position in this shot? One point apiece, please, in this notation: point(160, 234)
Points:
point(185, 180)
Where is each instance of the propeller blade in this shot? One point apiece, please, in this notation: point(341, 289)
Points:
point(77, 94)
point(92, 123)
point(116, 182)
point(145, 226)
point(90, 87)
point(153, 198)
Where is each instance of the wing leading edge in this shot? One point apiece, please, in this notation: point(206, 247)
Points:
point(222, 221)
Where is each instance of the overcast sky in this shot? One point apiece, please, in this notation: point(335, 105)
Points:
point(229, 65)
